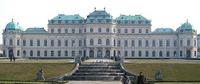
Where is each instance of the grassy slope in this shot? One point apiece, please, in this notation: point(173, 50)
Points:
point(27, 71)
point(170, 71)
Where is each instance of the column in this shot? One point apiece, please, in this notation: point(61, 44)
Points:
point(87, 52)
point(103, 53)
point(95, 52)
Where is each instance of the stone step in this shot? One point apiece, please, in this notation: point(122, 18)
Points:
point(94, 78)
point(98, 64)
point(99, 67)
point(99, 74)
point(99, 70)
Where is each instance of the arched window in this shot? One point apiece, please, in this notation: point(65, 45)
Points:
point(147, 53)
point(31, 53)
point(91, 42)
point(153, 53)
point(99, 30)
point(126, 31)
point(91, 30)
point(160, 54)
point(168, 53)
point(107, 42)
point(38, 53)
point(45, 53)
point(99, 41)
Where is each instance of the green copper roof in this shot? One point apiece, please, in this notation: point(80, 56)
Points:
point(163, 30)
point(35, 30)
point(13, 26)
point(130, 17)
point(68, 17)
point(185, 27)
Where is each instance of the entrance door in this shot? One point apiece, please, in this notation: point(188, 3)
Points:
point(107, 53)
point(10, 53)
point(188, 53)
point(99, 54)
point(91, 54)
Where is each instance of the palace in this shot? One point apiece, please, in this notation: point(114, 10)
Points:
point(99, 35)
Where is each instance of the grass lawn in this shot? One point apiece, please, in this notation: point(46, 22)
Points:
point(27, 71)
point(170, 71)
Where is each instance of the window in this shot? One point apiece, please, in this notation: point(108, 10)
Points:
point(80, 30)
point(175, 43)
point(66, 30)
point(59, 42)
point(118, 43)
point(133, 43)
point(59, 53)
point(18, 42)
point(139, 53)
point(38, 42)
point(24, 53)
point(91, 42)
point(80, 52)
point(133, 30)
point(153, 53)
point(195, 42)
point(181, 43)
point(99, 30)
point(84, 29)
point(133, 53)
point(52, 53)
point(24, 42)
point(38, 53)
point(160, 43)
point(73, 53)
point(52, 30)
point(181, 53)
point(91, 30)
point(160, 54)
point(125, 43)
point(107, 42)
point(73, 42)
point(168, 53)
point(188, 42)
point(147, 43)
point(31, 53)
point(118, 31)
point(147, 31)
point(140, 43)
point(31, 42)
point(80, 42)
point(140, 30)
point(147, 53)
point(66, 53)
point(59, 30)
point(107, 30)
point(45, 42)
point(73, 30)
point(174, 53)
point(18, 53)
point(153, 43)
point(99, 41)
point(45, 53)
point(11, 42)
point(52, 42)
point(126, 53)
point(126, 31)
point(168, 43)
point(66, 42)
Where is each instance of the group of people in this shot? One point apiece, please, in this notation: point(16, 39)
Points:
point(140, 80)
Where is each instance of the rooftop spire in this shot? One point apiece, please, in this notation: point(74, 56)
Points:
point(187, 20)
point(12, 19)
point(104, 8)
point(95, 8)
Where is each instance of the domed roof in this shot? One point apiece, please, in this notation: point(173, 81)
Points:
point(13, 26)
point(163, 30)
point(185, 27)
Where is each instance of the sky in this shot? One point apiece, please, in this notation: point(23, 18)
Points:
point(162, 13)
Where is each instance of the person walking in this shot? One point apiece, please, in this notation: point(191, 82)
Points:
point(141, 79)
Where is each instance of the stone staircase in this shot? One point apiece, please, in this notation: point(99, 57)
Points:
point(97, 72)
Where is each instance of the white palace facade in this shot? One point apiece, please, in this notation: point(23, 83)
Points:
point(99, 35)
